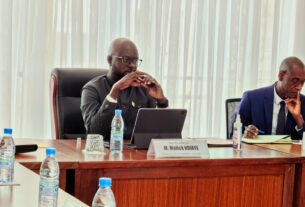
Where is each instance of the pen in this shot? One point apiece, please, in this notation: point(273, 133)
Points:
point(259, 131)
point(285, 137)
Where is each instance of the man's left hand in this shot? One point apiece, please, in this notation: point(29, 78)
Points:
point(294, 107)
point(153, 88)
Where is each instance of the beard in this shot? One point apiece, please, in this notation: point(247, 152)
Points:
point(117, 72)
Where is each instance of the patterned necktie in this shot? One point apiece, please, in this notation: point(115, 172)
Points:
point(281, 119)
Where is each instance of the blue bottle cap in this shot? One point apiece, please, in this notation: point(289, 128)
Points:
point(51, 152)
point(8, 131)
point(118, 112)
point(104, 182)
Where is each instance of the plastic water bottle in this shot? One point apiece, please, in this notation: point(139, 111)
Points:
point(49, 180)
point(104, 196)
point(237, 133)
point(117, 132)
point(7, 157)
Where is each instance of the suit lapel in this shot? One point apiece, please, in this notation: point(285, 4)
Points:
point(268, 107)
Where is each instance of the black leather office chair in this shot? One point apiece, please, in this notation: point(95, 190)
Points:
point(231, 105)
point(65, 86)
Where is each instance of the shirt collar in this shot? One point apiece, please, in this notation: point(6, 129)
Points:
point(277, 99)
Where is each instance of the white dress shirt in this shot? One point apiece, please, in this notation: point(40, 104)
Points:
point(276, 109)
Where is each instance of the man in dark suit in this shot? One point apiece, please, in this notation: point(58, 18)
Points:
point(279, 108)
point(124, 87)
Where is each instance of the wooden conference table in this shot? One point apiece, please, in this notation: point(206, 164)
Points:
point(294, 150)
point(26, 192)
point(256, 176)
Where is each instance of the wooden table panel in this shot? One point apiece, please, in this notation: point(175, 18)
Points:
point(294, 150)
point(202, 189)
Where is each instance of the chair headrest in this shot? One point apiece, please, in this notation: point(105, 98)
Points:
point(70, 81)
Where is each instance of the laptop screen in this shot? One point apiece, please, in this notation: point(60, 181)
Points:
point(157, 123)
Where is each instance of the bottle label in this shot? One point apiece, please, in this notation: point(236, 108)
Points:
point(116, 135)
point(6, 160)
point(116, 141)
point(237, 133)
point(236, 138)
point(48, 191)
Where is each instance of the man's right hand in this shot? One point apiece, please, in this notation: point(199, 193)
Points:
point(130, 79)
point(251, 132)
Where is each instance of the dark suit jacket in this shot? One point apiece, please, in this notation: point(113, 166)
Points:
point(98, 112)
point(256, 108)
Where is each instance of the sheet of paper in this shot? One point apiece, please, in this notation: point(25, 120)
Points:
point(269, 139)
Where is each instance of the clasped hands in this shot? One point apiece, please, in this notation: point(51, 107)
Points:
point(137, 79)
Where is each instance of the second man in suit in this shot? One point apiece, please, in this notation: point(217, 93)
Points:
point(279, 108)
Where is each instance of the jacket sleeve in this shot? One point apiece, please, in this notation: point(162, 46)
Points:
point(97, 116)
point(297, 135)
point(244, 110)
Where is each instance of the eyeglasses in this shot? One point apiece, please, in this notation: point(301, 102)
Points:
point(127, 60)
point(296, 81)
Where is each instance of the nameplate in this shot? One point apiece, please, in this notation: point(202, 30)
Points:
point(163, 148)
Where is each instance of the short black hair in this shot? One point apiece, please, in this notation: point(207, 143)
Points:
point(288, 62)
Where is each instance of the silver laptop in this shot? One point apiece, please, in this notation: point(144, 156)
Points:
point(156, 123)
